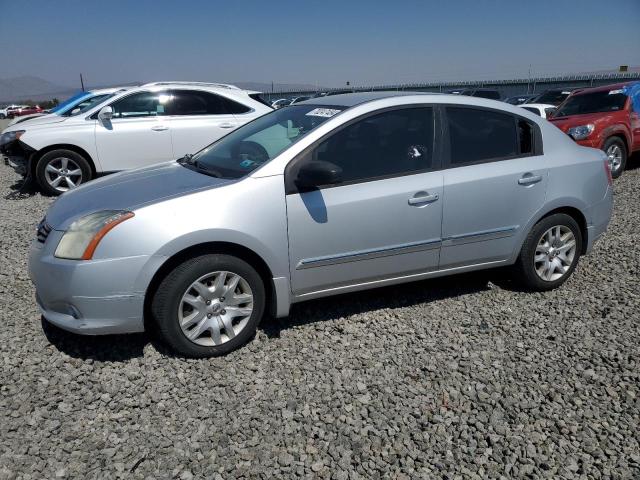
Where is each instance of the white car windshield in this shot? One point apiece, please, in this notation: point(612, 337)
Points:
point(254, 144)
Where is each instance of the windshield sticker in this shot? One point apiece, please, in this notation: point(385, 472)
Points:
point(247, 163)
point(615, 92)
point(323, 112)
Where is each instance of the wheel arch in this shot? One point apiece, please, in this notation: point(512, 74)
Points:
point(60, 146)
point(220, 247)
point(617, 132)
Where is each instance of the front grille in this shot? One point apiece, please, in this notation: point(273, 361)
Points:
point(44, 229)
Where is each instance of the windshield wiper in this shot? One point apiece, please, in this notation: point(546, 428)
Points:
point(186, 159)
point(206, 170)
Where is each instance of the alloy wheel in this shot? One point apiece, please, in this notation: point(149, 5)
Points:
point(555, 253)
point(63, 174)
point(614, 154)
point(215, 308)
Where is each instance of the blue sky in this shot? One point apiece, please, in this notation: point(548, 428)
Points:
point(325, 43)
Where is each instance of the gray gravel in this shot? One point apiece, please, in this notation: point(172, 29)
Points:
point(451, 378)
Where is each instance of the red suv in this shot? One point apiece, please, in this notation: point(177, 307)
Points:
point(604, 118)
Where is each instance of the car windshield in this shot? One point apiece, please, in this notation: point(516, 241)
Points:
point(88, 104)
point(69, 102)
point(254, 144)
point(553, 97)
point(596, 102)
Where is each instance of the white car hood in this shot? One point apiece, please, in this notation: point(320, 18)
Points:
point(41, 120)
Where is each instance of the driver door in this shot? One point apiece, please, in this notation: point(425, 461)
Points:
point(138, 134)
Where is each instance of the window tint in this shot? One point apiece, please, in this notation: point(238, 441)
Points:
point(143, 104)
point(526, 137)
point(596, 102)
point(478, 135)
point(390, 143)
point(192, 102)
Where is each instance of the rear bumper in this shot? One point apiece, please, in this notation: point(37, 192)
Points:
point(600, 214)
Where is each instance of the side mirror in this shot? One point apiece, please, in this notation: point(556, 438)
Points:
point(317, 173)
point(105, 114)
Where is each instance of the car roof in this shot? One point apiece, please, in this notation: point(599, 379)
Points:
point(352, 99)
point(605, 88)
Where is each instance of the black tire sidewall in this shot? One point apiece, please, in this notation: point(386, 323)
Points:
point(526, 263)
point(53, 154)
point(167, 297)
point(623, 148)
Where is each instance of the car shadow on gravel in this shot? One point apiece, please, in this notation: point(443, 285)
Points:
point(22, 189)
point(103, 348)
point(396, 296)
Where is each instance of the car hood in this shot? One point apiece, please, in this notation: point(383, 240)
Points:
point(40, 119)
point(598, 119)
point(127, 191)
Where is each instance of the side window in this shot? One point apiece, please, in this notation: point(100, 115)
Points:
point(396, 142)
point(143, 104)
point(193, 102)
point(526, 136)
point(478, 135)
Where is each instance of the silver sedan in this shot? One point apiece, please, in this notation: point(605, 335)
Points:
point(327, 196)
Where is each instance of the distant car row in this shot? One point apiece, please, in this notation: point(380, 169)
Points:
point(109, 130)
point(13, 111)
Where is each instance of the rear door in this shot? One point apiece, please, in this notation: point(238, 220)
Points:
point(383, 220)
point(137, 135)
point(199, 118)
point(495, 180)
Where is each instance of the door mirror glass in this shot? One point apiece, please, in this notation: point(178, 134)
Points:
point(317, 173)
point(105, 115)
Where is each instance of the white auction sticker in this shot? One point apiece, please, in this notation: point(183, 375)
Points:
point(615, 92)
point(323, 112)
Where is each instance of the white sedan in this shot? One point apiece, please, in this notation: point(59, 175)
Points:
point(543, 110)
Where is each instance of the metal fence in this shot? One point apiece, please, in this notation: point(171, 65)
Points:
point(507, 88)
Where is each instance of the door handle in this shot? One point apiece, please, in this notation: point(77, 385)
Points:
point(227, 125)
point(159, 128)
point(423, 197)
point(529, 179)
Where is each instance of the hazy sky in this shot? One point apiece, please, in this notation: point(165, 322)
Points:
point(323, 42)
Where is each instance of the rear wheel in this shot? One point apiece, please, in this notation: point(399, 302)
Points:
point(550, 253)
point(209, 305)
point(616, 151)
point(2, 116)
point(60, 170)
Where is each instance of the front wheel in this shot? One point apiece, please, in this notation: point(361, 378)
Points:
point(2, 116)
point(550, 252)
point(616, 152)
point(209, 305)
point(60, 170)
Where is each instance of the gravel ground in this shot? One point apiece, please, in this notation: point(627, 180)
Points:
point(463, 377)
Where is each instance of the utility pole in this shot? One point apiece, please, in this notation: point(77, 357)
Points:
point(529, 82)
point(81, 82)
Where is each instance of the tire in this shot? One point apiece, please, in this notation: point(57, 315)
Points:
point(2, 116)
point(72, 170)
point(208, 323)
point(616, 150)
point(527, 269)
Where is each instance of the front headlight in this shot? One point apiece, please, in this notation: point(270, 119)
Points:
point(84, 235)
point(581, 132)
point(10, 136)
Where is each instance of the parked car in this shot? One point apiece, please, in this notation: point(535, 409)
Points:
point(148, 124)
point(554, 96)
point(28, 110)
point(328, 196)
point(604, 118)
point(299, 99)
point(520, 99)
point(79, 101)
point(4, 112)
point(540, 109)
point(477, 92)
point(283, 102)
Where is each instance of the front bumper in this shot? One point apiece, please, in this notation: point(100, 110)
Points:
point(89, 297)
point(17, 155)
point(600, 214)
